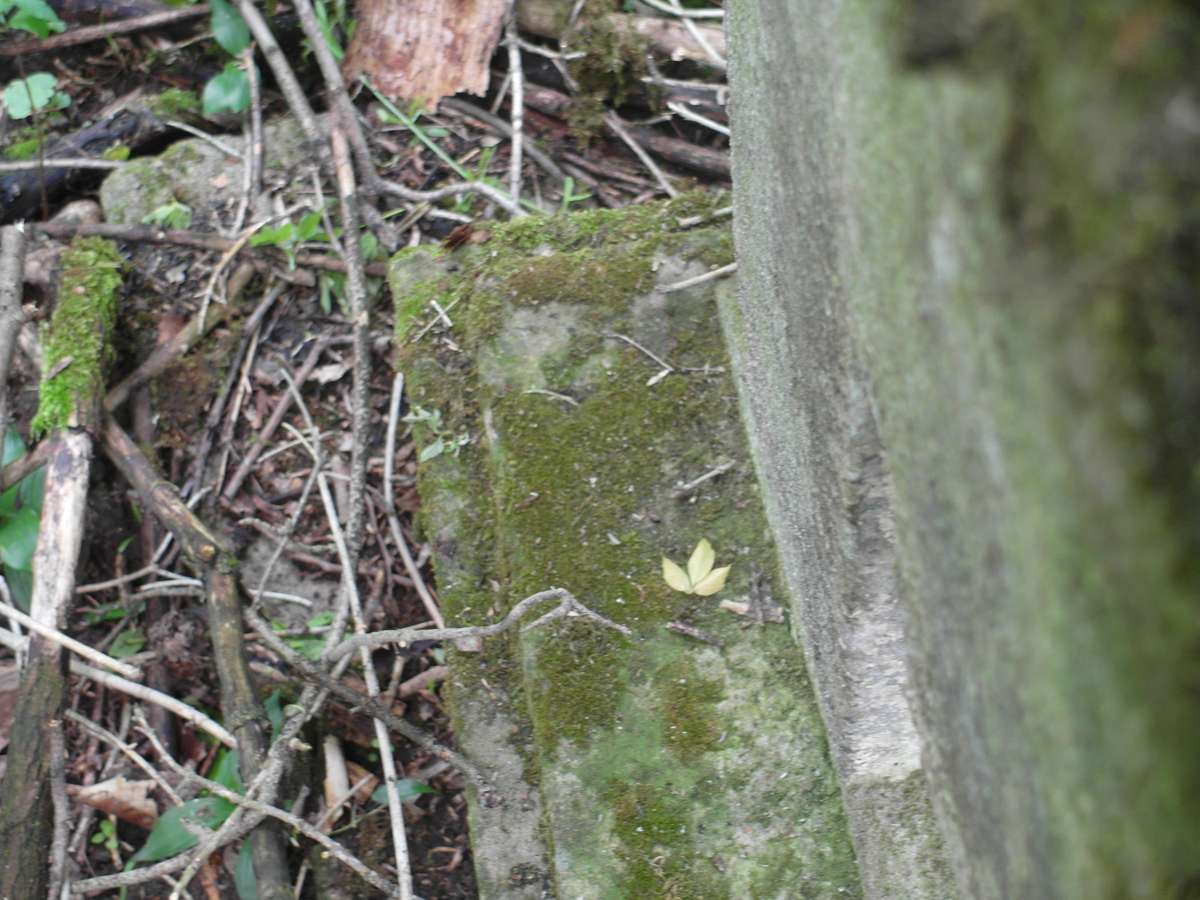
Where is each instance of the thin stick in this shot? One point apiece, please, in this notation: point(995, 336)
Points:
point(684, 489)
point(617, 127)
point(699, 279)
point(389, 504)
point(12, 264)
point(264, 436)
point(360, 319)
point(386, 752)
point(681, 110)
point(136, 758)
point(676, 10)
point(148, 694)
point(713, 56)
point(340, 100)
point(567, 606)
point(497, 124)
point(26, 165)
point(62, 809)
point(631, 342)
point(517, 105)
point(97, 32)
point(195, 239)
point(53, 634)
point(284, 76)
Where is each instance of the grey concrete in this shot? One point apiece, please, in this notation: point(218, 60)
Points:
point(965, 339)
point(660, 765)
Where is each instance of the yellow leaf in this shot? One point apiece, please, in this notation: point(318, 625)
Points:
point(675, 577)
point(713, 582)
point(701, 562)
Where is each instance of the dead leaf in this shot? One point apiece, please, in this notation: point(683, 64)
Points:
point(129, 801)
point(425, 49)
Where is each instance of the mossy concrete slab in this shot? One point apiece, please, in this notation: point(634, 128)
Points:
point(966, 340)
point(660, 765)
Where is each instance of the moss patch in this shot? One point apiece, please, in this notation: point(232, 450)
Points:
point(78, 342)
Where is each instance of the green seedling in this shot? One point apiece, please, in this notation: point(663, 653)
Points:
point(700, 578)
point(106, 834)
point(290, 235)
point(569, 196)
point(170, 215)
point(443, 438)
point(230, 90)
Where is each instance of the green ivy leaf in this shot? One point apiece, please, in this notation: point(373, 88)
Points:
point(229, 28)
point(407, 788)
point(169, 837)
point(18, 538)
point(229, 91)
point(225, 771)
point(31, 489)
point(36, 17)
point(20, 585)
point(244, 881)
point(128, 642)
point(23, 95)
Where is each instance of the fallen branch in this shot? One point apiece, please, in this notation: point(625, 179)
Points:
point(69, 404)
point(568, 606)
point(197, 240)
point(214, 562)
point(89, 33)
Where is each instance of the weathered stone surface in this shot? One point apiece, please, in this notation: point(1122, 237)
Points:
point(197, 173)
point(965, 336)
point(651, 766)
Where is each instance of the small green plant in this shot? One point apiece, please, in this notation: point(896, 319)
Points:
point(170, 215)
point(106, 834)
point(290, 235)
point(170, 836)
point(230, 90)
point(22, 97)
point(569, 196)
point(308, 645)
point(332, 285)
point(700, 578)
point(112, 612)
point(34, 16)
point(336, 24)
point(443, 438)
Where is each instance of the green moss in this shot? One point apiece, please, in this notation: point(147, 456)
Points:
point(653, 825)
point(689, 702)
point(606, 278)
point(78, 343)
point(175, 104)
point(613, 62)
point(23, 145)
